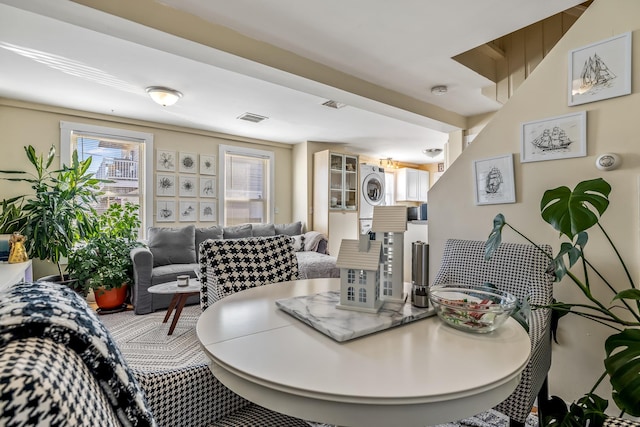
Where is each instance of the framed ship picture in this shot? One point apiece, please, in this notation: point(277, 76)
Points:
point(600, 70)
point(494, 180)
point(553, 138)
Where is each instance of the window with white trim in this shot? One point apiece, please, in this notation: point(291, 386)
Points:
point(247, 183)
point(122, 156)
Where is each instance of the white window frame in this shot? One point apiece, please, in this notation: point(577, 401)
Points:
point(68, 128)
point(223, 150)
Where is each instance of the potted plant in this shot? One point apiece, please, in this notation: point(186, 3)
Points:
point(101, 262)
point(58, 213)
point(571, 213)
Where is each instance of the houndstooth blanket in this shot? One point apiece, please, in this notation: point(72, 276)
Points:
point(56, 312)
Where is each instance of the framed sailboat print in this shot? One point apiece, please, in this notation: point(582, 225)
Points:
point(494, 180)
point(600, 70)
point(554, 138)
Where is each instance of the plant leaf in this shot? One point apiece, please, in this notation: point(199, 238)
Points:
point(568, 211)
point(623, 366)
point(495, 237)
point(628, 294)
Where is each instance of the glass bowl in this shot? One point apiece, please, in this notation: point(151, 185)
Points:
point(478, 309)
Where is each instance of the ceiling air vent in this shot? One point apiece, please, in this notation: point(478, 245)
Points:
point(253, 118)
point(333, 104)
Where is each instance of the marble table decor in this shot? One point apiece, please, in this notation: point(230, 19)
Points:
point(319, 311)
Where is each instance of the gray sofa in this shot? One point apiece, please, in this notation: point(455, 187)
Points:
point(174, 251)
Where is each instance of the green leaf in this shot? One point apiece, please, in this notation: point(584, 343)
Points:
point(623, 366)
point(495, 237)
point(571, 212)
point(628, 294)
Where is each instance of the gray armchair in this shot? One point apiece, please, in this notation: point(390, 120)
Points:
point(520, 269)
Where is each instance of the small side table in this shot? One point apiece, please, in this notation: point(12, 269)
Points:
point(180, 295)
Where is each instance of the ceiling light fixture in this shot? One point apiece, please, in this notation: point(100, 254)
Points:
point(163, 95)
point(439, 90)
point(432, 152)
point(389, 163)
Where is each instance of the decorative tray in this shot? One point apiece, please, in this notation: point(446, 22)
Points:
point(319, 311)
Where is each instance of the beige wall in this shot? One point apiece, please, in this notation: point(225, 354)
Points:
point(22, 124)
point(611, 127)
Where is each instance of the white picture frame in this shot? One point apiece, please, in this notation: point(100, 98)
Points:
point(188, 210)
point(165, 185)
point(207, 164)
point(208, 211)
point(165, 211)
point(554, 138)
point(165, 161)
point(188, 186)
point(600, 70)
point(208, 187)
point(188, 162)
point(494, 181)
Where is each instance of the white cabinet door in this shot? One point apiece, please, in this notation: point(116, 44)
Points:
point(412, 185)
point(423, 185)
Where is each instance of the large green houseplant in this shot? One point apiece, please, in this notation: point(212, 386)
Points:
point(58, 211)
point(571, 213)
point(101, 261)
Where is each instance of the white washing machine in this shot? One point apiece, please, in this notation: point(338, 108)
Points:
point(371, 191)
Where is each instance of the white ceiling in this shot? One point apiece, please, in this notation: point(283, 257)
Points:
point(64, 54)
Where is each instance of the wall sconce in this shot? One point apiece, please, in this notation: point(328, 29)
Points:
point(163, 95)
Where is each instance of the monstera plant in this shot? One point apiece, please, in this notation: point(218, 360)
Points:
point(572, 213)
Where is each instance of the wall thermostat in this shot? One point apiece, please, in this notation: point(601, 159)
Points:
point(607, 162)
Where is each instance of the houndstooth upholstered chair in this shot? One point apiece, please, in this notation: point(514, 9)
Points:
point(232, 265)
point(521, 270)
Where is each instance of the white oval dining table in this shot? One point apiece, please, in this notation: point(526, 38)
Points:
point(418, 374)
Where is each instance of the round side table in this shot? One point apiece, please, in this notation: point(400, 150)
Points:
point(180, 295)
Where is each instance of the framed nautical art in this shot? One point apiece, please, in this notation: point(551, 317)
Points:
point(600, 70)
point(553, 138)
point(494, 180)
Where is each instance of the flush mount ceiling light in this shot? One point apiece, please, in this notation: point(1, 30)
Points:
point(163, 95)
point(432, 152)
point(439, 90)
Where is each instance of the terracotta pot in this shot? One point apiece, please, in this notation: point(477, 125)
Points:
point(112, 298)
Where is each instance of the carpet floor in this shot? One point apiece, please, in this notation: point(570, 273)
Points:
point(145, 344)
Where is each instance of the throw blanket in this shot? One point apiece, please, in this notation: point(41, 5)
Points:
point(56, 312)
point(312, 239)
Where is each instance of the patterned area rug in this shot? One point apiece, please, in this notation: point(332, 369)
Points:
point(145, 344)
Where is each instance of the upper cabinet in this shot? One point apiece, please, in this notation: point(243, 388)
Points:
point(335, 197)
point(343, 181)
point(412, 185)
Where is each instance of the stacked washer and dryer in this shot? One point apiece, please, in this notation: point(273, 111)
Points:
point(371, 194)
